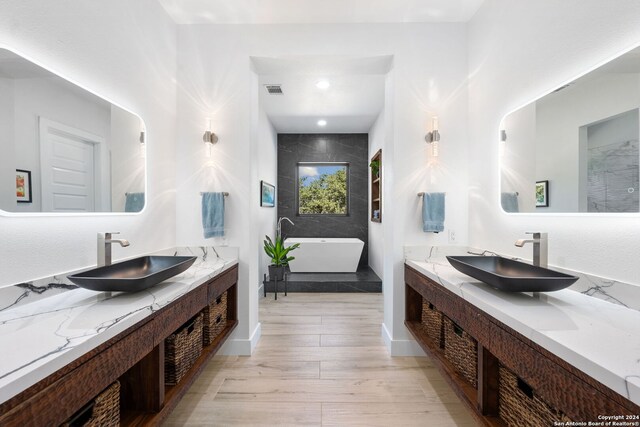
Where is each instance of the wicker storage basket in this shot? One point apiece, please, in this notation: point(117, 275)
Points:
point(103, 411)
point(461, 349)
point(432, 322)
point(181, 349)
point(519, 404)
point(215, 318)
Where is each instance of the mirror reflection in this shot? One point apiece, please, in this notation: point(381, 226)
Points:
point(576, 149)
point(64, 149)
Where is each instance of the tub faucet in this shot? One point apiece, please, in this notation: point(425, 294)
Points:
point(104, 247)
point(279, 231)
point(540, 248)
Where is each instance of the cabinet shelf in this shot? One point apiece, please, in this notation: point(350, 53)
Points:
point(376, 189)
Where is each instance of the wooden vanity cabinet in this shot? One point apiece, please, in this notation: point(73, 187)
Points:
point(553, 380)
point(134, 357)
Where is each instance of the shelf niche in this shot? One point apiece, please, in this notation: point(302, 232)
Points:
point(376, 188)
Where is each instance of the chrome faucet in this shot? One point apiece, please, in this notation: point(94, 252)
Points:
point(104, 247)
point(540, 248)
point(279, 232)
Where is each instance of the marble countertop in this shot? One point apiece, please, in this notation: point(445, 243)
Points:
point(39, 335)
point(597, 337)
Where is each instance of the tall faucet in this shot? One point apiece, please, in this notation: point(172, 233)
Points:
point(104, 247)
point(540, 248)
point(279, 231)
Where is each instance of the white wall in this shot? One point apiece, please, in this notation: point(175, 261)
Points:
point(127, 157)
point(518, 153)
point(558, 119)
point(429, 77)
point(267, 148)
point(7, 164)
point(513, 59)
point(126, 51)
point(376, 237)
point(51, 99)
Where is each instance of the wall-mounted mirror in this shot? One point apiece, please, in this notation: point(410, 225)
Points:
point(576, 150)
point(64, 149)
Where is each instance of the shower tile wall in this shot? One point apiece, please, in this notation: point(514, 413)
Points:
point(352, 148)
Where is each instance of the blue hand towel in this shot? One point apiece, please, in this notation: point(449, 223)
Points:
point(213, 214)
point(433, 212)
point(510, 202)
point(134, 202)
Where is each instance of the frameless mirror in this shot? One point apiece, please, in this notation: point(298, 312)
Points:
point(576, 149)
point(64, 149)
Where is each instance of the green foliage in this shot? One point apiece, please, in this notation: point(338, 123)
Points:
point(278, 252)
point(375, 167)
point(325, 195)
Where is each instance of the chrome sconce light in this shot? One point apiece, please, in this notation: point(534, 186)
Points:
point(210, 137)
point(433, 137)
point(143, 145)
point(503, 141)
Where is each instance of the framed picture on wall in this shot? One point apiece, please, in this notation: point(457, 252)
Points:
point(542, 194)
point(267, 195)
point(23, 186)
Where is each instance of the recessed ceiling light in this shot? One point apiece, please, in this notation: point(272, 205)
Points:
point(323, 84)
point(322, 122)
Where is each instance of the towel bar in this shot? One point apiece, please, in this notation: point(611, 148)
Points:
point(225, 194)
point(422, 193)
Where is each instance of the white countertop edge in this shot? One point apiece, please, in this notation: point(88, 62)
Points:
point(20, 380)
point(628, 389)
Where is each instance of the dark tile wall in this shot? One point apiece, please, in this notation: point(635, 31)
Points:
point(352, 148)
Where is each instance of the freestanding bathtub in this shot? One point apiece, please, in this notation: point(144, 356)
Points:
point(325, 255)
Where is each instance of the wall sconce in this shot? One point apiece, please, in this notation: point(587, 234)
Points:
point(433, 137)
point(210, 137)
point(143, 145)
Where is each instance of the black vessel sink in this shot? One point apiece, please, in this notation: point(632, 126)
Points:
point(511, 276)
point(133, 275)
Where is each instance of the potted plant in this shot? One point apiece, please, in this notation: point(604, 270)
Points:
point(375, 168)
point(279, 256)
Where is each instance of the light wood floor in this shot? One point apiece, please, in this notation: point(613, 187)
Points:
point(321, 362)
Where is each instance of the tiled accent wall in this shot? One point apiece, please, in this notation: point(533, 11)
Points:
point(351, 148)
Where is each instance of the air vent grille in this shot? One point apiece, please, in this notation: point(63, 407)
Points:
point(274, 89)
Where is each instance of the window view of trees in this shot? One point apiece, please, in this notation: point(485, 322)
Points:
point(322, 189)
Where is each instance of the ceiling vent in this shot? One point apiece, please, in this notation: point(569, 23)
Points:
point(274, 89)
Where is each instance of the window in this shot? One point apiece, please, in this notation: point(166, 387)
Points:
point(323, 188)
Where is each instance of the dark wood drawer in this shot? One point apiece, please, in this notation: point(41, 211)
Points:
point(170, 318)
point(223, 282)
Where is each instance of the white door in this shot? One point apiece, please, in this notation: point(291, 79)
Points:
point(69, 167)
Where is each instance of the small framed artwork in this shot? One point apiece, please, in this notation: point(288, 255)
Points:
point(267, 195)
point(542, 194)
point(23, 186)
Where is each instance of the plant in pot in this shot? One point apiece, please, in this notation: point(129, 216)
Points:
point(279, 256)
point(375, 168)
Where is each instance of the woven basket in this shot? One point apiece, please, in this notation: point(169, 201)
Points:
point(106, 410)
point(432, 322)
point(461, 349)
point(518, 403)
point(215, 318)
point(103, 411)
point(181, 349)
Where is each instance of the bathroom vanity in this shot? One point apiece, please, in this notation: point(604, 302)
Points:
point(81, 342)
point(557, 357)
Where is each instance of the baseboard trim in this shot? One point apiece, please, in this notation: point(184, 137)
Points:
point(242, 347)
point(400, 347)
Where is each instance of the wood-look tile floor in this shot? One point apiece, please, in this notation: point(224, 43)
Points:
point(321, 361)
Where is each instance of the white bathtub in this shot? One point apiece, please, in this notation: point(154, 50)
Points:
point(325, 255)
